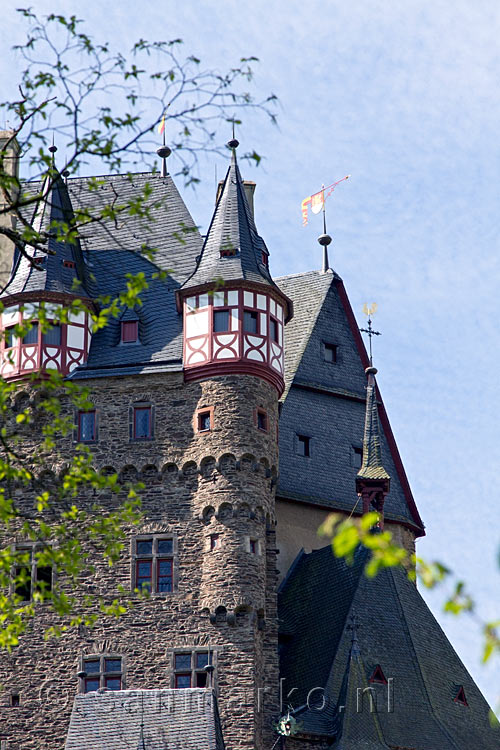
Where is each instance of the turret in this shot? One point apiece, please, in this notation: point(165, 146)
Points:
point(372, 480)
point(54, 276)
point(234, 313)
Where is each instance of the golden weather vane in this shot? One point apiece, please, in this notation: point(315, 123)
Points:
point(370, 310)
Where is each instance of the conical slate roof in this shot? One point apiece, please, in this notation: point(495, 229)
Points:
point(233, 249)
point(61, 269)
point(371, 467)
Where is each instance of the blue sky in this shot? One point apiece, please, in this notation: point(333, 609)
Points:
point(403, 96)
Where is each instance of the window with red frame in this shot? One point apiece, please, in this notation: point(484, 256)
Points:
point(190, 669)
point(154, 565)
point(273, 330)
point(130, 331)
point(221, 321)
point(378, 676)
point(102, 672)
point(142, 423)
point(87, 426)
point(250, 321)
point(460, 697)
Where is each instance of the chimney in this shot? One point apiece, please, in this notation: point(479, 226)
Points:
point(9, 162)
point(249, 192)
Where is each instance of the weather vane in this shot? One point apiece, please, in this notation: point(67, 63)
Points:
point(370, 310)
point(317, 203)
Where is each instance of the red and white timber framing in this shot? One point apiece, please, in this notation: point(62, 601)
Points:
point(208, 351)
point(20, 359)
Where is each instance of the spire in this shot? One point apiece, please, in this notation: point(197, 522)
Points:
point(233, 249)
point(372, 467)
point(372, 480)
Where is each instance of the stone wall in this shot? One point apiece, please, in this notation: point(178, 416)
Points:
point(197, 484)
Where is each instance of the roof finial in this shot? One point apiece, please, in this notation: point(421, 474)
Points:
point(324, 239)
point(53, 150)
point(234, 142)
point(164, 151)
point(370, 310)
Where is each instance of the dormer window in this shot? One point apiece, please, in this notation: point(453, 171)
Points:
point(68, 263)
point(228, 252)
point(130, 331)
point(377, 676)
point(460, 697)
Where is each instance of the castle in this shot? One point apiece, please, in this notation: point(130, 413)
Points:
point(242, 403)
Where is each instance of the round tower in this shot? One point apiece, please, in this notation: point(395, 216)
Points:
point(234, 315)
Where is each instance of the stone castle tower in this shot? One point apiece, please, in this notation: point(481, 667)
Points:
point(187, 393)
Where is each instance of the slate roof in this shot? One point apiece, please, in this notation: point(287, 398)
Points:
point(232, 229)
point(54, 272)
point(398, 632)
point(145, 720)
point(327, 402)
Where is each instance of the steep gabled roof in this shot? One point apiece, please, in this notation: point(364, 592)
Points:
point(145, 720)
point(327, 402)
point(397, 631)
point(233, 250)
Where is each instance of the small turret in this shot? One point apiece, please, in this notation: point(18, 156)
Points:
point(55, 277)
point(234, 313)
point(372, 480)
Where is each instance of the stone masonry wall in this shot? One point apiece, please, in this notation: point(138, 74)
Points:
point(197, 485)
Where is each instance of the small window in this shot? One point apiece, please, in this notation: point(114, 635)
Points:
point(303, 445)
point(262, 420)
point(273, 329)
point(265, 259)
point(31, 577)
point(221, 321)
point(102, 672)
point(215, 541)
point(31, 336)
point(52, 337)
point(190, 669)
point(460, 697)
point(15, 700)
point(250, 321)
point(204, 420)
point(378, 676)
point(228, 252)
point(10, 337)
point(68, 263)
point(86, 426)
point(154, 565)
point(357, 456)
point(254, 546)
point(130, 331)
point(330, 353)
point(142, 423)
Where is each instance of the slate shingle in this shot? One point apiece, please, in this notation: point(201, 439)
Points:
point(145, 719)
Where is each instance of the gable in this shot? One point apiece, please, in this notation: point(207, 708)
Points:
point(326, 401)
